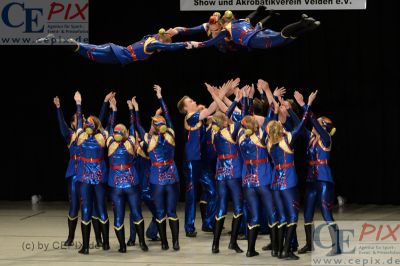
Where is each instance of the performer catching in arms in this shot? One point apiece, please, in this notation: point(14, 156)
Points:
point(164, 180)
point(92, 174)
point(123, 178)
point(319, 186)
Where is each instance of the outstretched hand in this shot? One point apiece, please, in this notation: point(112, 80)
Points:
point(78, 97)
point(262, 85)
point(157, 89)
point(134, 103)
point(299, 98)
point(279, 92)
point(172, 32)
point(110, 95)
point(130, 105)
point(113, 104)
point(312, 97)
point(238, 95)
point(56, 102)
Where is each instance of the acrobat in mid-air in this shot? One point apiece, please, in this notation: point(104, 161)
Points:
point(110, 53)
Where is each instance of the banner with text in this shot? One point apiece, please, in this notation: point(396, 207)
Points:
point(213, 5)
point(24, 21)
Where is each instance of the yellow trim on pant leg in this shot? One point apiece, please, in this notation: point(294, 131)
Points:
point(72, 218)
point(237, 216)
point(103, 222)
point(138, 222)
point(309, 223)
point(86, 223)
point(96, 218)
point(173, 218)
point(291, 224)
point(270, 226)
point(331, 223)
point(203, 202)
point(280, 225)
point(219, 218)
point(253, 226)
point(118, 228)
point(162, 220)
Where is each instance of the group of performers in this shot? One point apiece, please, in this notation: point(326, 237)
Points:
point(240, 149)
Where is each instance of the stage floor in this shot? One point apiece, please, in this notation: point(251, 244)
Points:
point(33, 234)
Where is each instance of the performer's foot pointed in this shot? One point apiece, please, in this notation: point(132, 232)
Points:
point(45, 39)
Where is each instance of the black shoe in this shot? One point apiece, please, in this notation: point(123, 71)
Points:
point(308, 228)
point(105, 228)
point(287, 254)
point(174, 225)
point(121, 239)
point(85, 238)
point(334, 233)
point(251, 242)
point(71, 232)
point(219, 224)
point(130, 243)
point(162, 230)
point(235, 232)
point(235, 247)
point(191, 234)
point(97, 232)
point(140, 232)
point(281, 230)
point(155, 239)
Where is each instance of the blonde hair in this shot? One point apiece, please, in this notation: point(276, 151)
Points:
point(275, 131)
point(181, 105)
point(220, 119)
point(249, 122)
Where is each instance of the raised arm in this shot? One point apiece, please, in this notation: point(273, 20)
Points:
point(139, 127)
point(306, 108)
point(113, 116)
point(164, 108)
point(131, 118)
point(79, 118)
point(104, 106)
point(65, 130)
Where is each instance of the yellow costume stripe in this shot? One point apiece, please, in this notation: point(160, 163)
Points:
point(118, 228)
point(103, 222)
point(86, 223)
point(280, 225)
point(309, 223)
point(253, 226)
point(173, 219)
point(237, 216)
point(72, 218)
point(139, 222)
point(162, 220)
point(272, 225)
point(291, 224)
point(219, 218)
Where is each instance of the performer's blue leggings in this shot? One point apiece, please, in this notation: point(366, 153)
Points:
point(234, 187)
point(73, 196)
point(267, 39)
point(119, 197)
point(91, 194)
point(287, 205)
point(99, 53)
point(259, 198)
point(321, 192)
point(165, 199)
point(192, 172)
point(209, 192)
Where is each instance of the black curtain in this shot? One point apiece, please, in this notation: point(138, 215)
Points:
point(352, 59)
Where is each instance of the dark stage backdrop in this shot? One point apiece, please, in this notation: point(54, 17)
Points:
point(352, 59)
